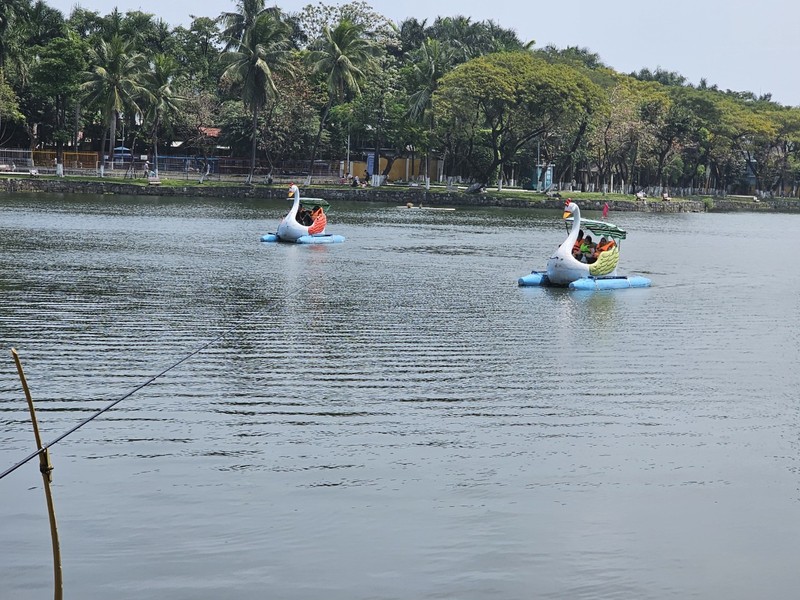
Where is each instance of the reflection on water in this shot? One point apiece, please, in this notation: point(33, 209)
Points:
point(393, 417)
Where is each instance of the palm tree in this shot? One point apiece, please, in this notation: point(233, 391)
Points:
point(114, 82)
point(461, 34)
point(429, 63)
point(12, 14)
point(44, 24)
point(235, 24)
point(342, 56)
point(264, 48)
point(163, 101)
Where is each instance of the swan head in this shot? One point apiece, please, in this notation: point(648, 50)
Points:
point(293, 191)
point(569, 208)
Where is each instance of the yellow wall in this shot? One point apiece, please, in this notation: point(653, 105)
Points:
point(72, 160)
point(416, 168)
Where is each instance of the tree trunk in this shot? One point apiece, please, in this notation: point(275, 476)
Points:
point(377, 164)
point(77, 124)
point(61, 118)
point(389, 162)
point(155, 148)
point(317, 140)
point(102, 165)
point(112, 136)
point(253, 148)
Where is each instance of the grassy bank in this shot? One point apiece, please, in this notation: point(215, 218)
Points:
point(392, 193)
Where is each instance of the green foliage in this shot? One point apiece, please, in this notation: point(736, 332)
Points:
point(507, 100)
point(113, 85)
point(264, 50)
point(59, 67)
point(197, 51)
point(9, 104)
point(668, 78)
point(341, 56)
point(573, 56)
point(469, 92)
point(249, 69)
point(313, 20)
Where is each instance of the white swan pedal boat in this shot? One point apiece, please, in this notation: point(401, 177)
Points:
point(305, 222)
point(564, 270)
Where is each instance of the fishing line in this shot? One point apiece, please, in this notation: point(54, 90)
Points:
point(142, 385)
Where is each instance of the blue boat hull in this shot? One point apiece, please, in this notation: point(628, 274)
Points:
point(609, 283)
point(323, 238)
point(536, 278)
point(540, 279)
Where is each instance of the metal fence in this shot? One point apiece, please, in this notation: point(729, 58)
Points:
point(186, 167)
point(12, 159)
point(199, 168)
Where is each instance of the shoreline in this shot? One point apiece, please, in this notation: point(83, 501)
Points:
point(438, 197)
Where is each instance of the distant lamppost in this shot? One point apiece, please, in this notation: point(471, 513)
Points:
point(347, 162)
point(538, 164)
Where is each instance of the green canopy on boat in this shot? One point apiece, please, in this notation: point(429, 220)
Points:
point(312, 202)
point(601, 228)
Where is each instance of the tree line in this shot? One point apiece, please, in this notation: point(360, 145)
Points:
point(317, 83)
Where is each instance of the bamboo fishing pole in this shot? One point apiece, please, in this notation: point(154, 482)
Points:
point(46, 469)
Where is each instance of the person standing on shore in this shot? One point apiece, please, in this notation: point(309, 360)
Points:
point(605, 211)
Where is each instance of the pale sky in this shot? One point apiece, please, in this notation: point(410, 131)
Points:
point(736, 44)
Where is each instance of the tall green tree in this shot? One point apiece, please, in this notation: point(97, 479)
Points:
point(86, 23)
point(614, 140)
point(13, 13)
point(152, 35)
point(428, 64)
point(470, 39)
point(162, 101)
point(197, 52)
point(341, 56)
point(43, 24)
point(236, 24)
point(56, 75)
point(265, 48)
point(9, 108)
point(508, 99)
point(114, 82)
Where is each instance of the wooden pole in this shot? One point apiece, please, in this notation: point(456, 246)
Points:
point(46, 469)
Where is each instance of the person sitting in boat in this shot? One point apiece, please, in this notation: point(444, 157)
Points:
point(602, 246)
point(576, 247)
point(587, 249)
point(605, 245)
point(316, 212)
point(304, 217)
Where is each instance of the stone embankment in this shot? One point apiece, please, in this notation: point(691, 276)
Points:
point(395, 195)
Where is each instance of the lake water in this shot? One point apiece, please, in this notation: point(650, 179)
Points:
point(393, 417)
